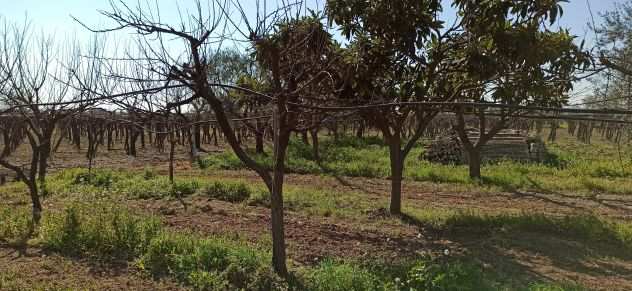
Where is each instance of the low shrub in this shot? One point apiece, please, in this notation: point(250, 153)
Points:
point(333, 276)
point(185, 188)
point(98, 178)
point(228, 191)
point(102, 230)
point(149, 173)
point(15, 223)
point(208, 264)
point(139, 188)
point(556, 287)
point(450, 275)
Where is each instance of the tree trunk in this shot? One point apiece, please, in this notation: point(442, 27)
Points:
point(171, 152)
point(259, 142)
point(149, 134)
point(259, 135)
point(77, 136)
point(89, 168)
point(196, 136)
point(276, 204)
point(109, 139)
point(304, 137)
point(44, 154)
point(397, 169)
point(215, 136)
point(315, 149)
point(553, 132)
point(474, 161)
point(133, 136)
point(35, 200)
point(31, 183)
point(360, 130)
point(142, 138)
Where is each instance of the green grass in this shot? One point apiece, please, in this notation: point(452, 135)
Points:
point(314, 201)
point(588, 228)
point(330, 275)
point(571, 167)
point(556, 287)
point(108, 232)
point(210, 263)
point(228, 191)
point(319, 202)
point(104, 231)
point(353, 206)
point(349, 157)
point(101, 230)
point(107, 182)
point(13, 280)
point(15, 223)
point(440, 273)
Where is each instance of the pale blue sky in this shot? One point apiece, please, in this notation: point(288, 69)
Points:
point(53, 16)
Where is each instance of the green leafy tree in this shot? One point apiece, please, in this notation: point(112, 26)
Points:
point(297, 57)
point(398, 52)
point(402, 52)
point(514, 59)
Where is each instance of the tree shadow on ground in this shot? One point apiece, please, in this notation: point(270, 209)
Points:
point(532, 248)
point(613, 204)
point(343, 181)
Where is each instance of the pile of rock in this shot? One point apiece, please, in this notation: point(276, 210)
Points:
point(507, 144)
point(444, 149)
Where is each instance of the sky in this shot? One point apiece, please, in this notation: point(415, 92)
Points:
point(53, 18)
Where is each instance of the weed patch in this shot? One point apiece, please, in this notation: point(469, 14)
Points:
point(228, 191)
point(15, 223)
point(208, 264)
point(103, 231)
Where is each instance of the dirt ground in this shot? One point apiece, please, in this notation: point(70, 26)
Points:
point(530, 256)
point(45, 271)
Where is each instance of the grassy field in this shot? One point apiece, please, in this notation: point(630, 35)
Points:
point(208, 231)
point(570, 167)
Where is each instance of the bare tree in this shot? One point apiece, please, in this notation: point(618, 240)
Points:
point(40, 88)
point(183, 54)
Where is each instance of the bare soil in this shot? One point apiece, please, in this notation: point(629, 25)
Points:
point(46, 271)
